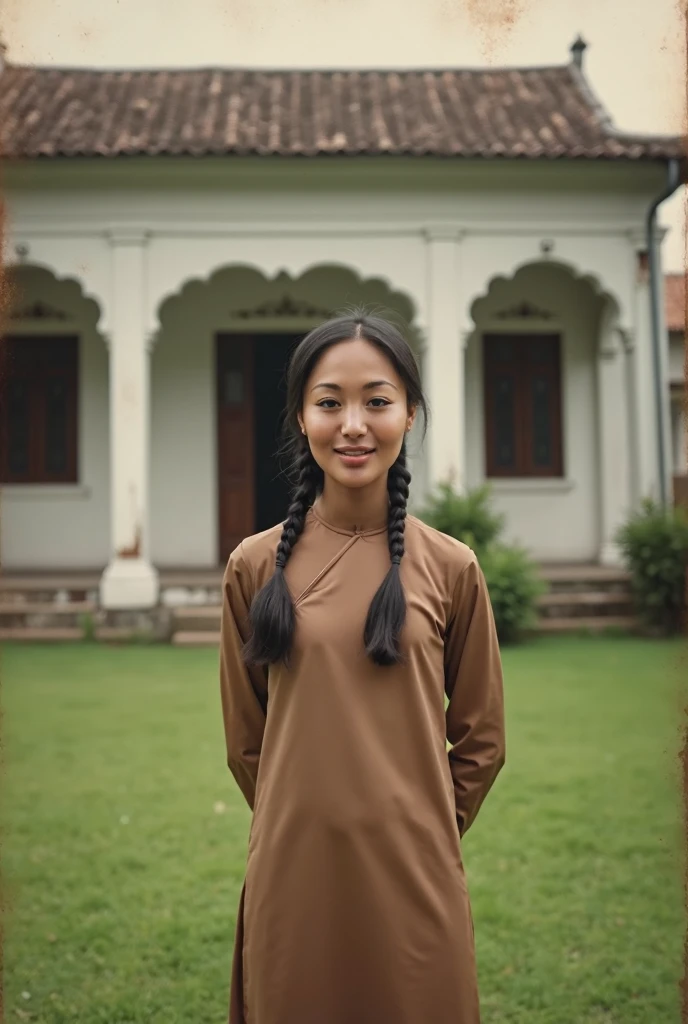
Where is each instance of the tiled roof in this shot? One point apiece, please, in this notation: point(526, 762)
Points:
point(517, 113)
point(675, 302)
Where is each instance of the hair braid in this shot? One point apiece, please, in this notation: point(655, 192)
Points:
point(398, 480)
point(302, 499)
point(387, 612)
point(272, 611)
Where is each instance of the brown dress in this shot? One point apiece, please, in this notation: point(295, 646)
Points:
point(355, 908)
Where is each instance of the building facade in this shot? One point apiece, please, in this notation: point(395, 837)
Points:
point(171, 235)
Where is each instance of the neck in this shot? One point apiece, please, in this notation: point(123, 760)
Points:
point(354, 508)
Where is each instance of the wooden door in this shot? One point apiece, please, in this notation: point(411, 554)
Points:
point(235, 439)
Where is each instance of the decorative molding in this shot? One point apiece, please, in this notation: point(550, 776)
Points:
point(123, 235)
point(638, 236)
point(443, 233)
point(467, 334)
point(284, 307)
point(627, 337)
point(525, 311)
point(39, 310)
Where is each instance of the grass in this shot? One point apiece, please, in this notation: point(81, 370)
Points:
point(124, 837)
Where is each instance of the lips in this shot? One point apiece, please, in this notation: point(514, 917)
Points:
point(354, 451)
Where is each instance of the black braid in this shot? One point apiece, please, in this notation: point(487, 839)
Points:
point(272, 611)
point(398, 480)
point(387, 612)
point(302, 499)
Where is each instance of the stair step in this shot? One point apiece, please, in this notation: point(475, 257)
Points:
point(583, 574)
point(47, 607)
point(198, 611)
point(197, 638)
point(48, 634)
point(116, 633)
point(586, 598)
point(572, 624)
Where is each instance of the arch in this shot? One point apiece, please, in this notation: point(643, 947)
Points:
point(611, 324)
point(600, 290)
point(293, 302)
point(73, 303)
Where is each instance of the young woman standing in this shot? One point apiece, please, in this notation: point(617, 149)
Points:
point(342, 630)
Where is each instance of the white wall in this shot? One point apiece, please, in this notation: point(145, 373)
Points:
point(555, 520)
point(64, 525)
point(370, 218)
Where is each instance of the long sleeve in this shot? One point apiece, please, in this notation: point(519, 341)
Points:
point(244, 689)
point(474, 686)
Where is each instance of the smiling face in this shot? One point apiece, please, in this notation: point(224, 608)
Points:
point(354, 401)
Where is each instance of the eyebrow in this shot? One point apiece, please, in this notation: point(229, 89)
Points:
point(366, 387)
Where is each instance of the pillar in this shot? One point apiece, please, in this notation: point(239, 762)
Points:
point(129, 581)
point(444, 359)
point(614, 442)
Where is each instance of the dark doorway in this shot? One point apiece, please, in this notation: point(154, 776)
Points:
point(272, 352)
point(251, 396)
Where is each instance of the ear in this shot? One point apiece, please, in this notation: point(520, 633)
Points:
point(411, 416)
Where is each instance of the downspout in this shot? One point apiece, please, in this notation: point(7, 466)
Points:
point(656, 293)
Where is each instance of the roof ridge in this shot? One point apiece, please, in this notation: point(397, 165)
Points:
point(270, 70)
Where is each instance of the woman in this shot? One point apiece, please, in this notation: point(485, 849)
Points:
point(342, 630)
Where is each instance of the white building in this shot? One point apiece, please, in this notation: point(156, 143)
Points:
point(170, 234)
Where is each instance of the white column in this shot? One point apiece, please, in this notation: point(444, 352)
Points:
point(129, 581)
point(444, 359)
point(645, 454)
point(614, 447)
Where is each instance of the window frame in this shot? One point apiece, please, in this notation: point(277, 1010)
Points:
point(523, 373)
point(35, 369)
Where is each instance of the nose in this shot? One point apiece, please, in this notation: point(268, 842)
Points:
point(354, 426)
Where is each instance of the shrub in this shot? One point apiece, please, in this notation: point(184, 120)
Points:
point(654, 543)
point(466, 517)
point(511, 576)
point(514, 587)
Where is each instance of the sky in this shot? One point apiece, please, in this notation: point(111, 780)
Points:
point(635, 60)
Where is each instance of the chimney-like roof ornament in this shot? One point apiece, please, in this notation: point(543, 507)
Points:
point(578, 48)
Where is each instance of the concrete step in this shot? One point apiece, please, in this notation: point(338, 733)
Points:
point(51, 634)
point(44, 615)
point(196, 638)
point(586, 598)
point(203, 619)
point(579, 623)
point(585, 604)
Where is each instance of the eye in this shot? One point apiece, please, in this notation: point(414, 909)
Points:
point(322, 405)
point(383, 400)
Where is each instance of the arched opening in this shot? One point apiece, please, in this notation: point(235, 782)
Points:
point(54, 424)
point(218, 391)
point(535, 411)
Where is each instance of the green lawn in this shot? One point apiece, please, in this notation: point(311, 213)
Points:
point(124, 837)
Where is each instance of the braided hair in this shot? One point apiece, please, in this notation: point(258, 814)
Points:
point(272, 614)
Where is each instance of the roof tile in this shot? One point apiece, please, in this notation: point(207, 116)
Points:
point(522, 113)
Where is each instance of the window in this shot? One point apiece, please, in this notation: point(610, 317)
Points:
point(38, 410)
point(522, 375)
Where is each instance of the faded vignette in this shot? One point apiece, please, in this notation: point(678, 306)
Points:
point(494, 19)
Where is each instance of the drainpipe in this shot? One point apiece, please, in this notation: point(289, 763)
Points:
point(656, 293)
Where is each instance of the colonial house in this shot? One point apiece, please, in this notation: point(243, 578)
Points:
point(170, 235)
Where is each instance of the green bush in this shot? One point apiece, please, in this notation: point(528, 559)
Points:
point(654, 543)
point(466, 517)
point(514, 587)
point(511, 576)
